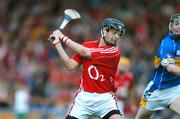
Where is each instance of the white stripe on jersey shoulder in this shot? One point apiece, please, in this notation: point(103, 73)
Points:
point(113, 51)
point(113, 55)
point(103, 49)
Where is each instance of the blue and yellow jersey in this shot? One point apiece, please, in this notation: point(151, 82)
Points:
point(169, 52)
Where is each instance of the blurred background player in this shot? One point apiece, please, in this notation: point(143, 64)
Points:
point(163, 91)
point(100, 60)
point(125, 89)
point(21, 101)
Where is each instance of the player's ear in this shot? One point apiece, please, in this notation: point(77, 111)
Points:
point(104, 30)
point(170, 26)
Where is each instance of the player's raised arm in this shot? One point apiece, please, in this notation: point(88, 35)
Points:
point(111, 32)
point(76, 47)
point(69, 63)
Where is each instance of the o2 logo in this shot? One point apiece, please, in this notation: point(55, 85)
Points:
point(97, 75)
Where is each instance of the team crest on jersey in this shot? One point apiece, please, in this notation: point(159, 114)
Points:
point(168, 55)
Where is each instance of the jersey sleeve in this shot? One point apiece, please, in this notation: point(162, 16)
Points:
point(104, 52)
point(167, 51)
point(77, 58)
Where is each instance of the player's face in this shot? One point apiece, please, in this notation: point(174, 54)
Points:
point(112, 36)
point(176, 27)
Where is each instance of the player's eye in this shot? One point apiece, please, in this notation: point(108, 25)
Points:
point(120, 32)
point(177, 22)
point(113, 30)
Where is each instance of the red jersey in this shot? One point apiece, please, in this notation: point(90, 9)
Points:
point(126, 79)
point(99, 71)
point(123, 83)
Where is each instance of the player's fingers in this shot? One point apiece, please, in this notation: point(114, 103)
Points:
point(65, 39)
point(58, 33)
point(54, 39)
point(62, 36)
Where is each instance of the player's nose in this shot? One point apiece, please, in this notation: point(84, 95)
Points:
point(116, 35)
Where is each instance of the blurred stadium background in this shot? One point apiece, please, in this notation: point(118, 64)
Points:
point(33, 82)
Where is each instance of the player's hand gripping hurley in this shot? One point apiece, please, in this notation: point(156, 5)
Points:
point(69, 14)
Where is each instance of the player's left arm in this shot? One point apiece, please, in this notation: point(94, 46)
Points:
point(167, 52)
point(85, 51)
point(76, 47)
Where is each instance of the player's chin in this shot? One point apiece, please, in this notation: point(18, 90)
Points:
point(110, 44)
point(177, 33)
point(113, 43)
point(177, 36)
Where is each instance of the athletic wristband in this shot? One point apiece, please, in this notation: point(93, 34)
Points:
point(65, 39)
point(62, 38)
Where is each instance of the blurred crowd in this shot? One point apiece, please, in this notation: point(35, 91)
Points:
point(33, 79)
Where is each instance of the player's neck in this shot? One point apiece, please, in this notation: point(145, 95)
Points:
point(101, 43)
